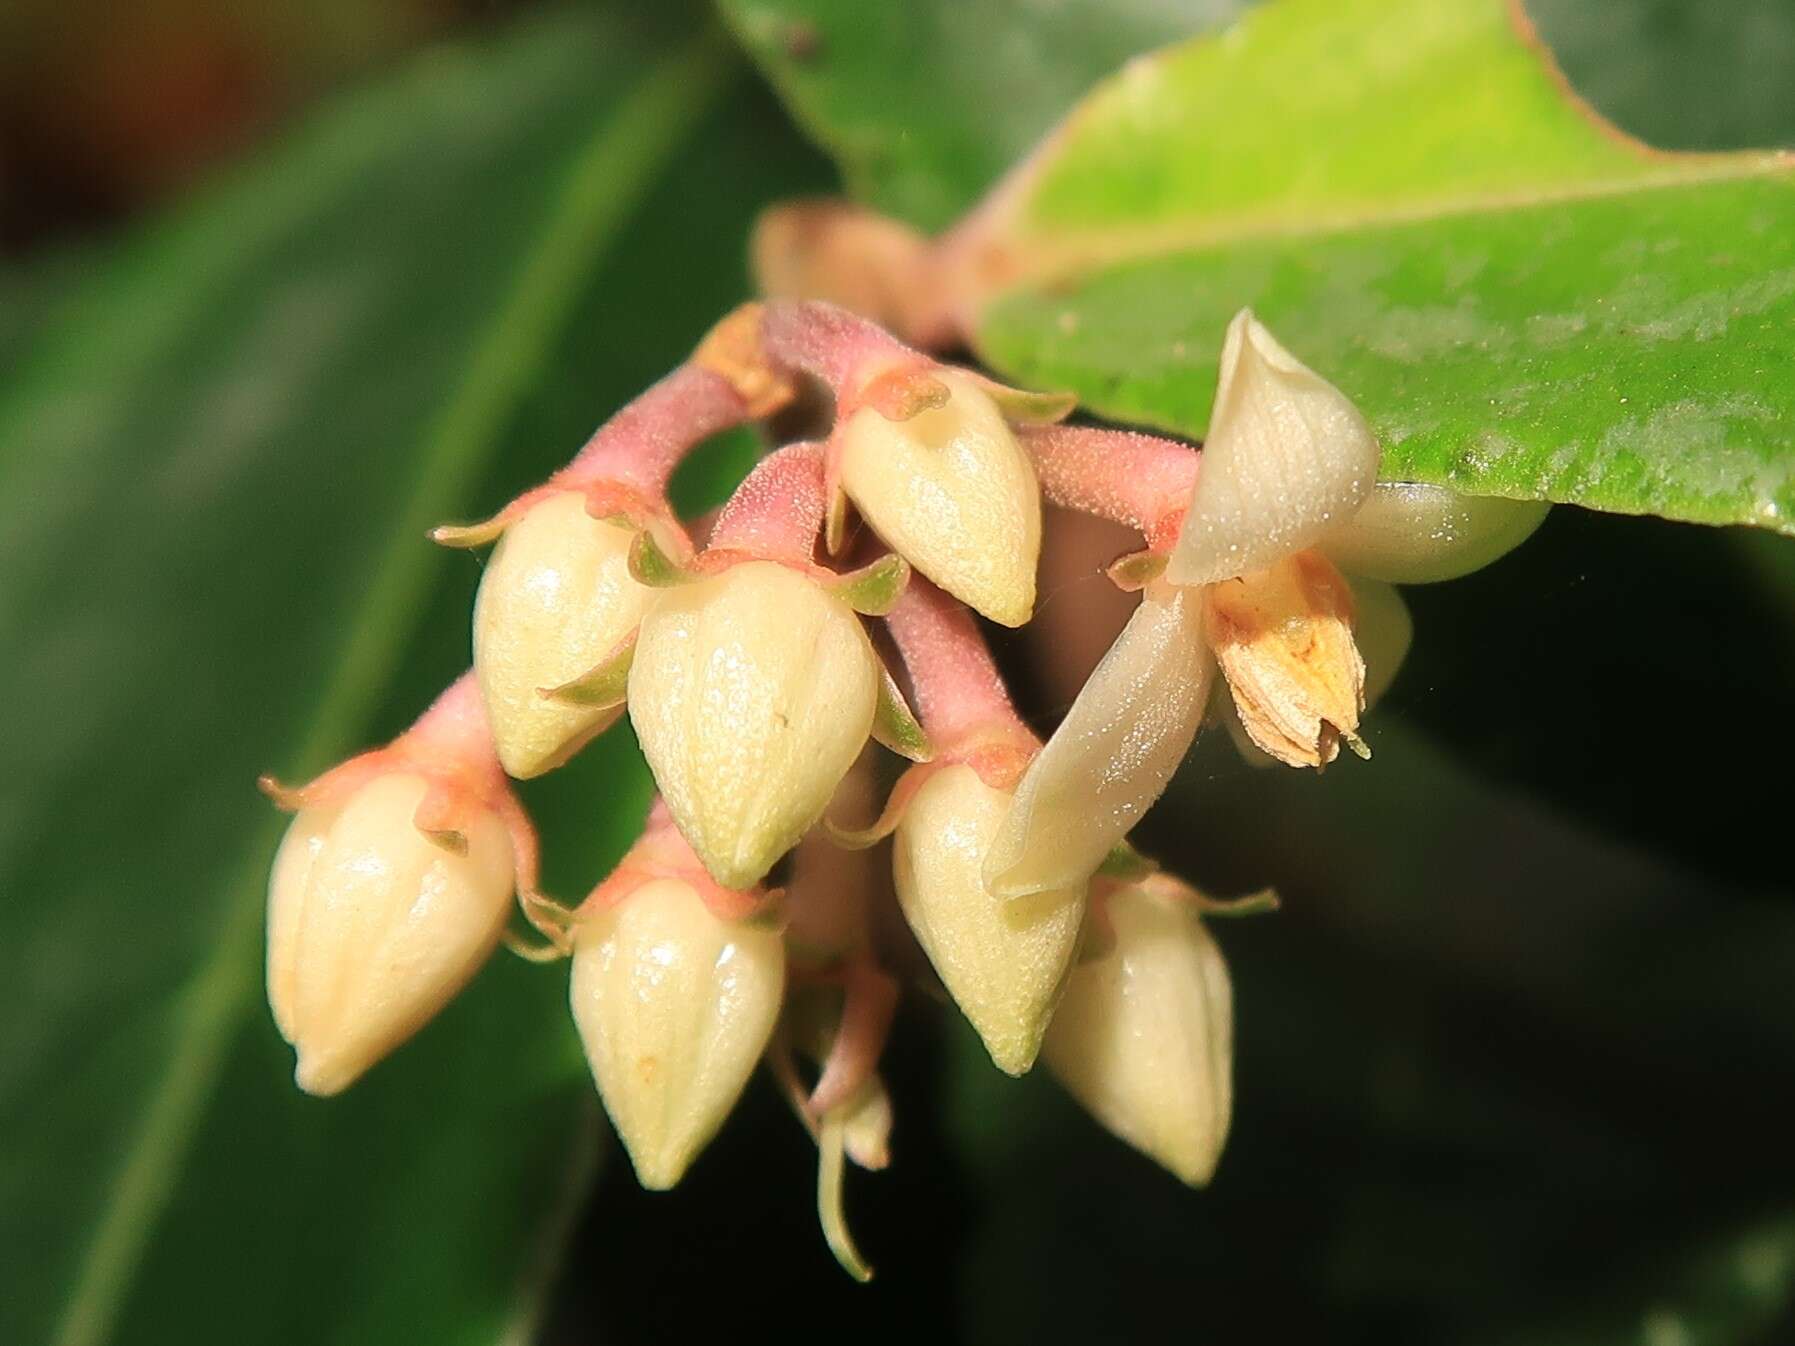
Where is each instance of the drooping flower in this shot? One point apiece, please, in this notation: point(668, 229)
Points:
point(1227, 543)
point(1287, 455)
point(556, 600)
point(1002, 960)
point(391, 888)
point(558, 605)
point(753, 685)
point(928, 454)
point(674, 1000)
point(950, 489)
point(1144, 1035)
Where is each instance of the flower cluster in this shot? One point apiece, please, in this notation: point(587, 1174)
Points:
point(748, 652)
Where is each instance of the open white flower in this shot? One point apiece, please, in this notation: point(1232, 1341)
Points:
point(1287, 455)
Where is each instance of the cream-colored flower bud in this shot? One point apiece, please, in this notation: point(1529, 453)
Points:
point(1002, 959)
point(674, 1006)
point(1287, 455)
point(1382, 630)
point(556, 599)
point(1144, 1036)
point(372, 927)
point(1113, 754)
point(953, 491)
point(1411, 533)
point(752, 692)
point(1284, 638)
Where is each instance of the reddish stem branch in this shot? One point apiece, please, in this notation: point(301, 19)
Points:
point(455, 730)
point(777, 511)
point(661, 852)
point(958, 688)
point(845, 351)
point(1138, 480)
point(644, 442)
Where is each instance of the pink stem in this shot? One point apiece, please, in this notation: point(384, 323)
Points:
point(958, 688)
point(777, 511)
point(870, 1000)
point(1138, 480)
point(661, 852)
point(644, 442)
point(844, 351)
point(454, 731)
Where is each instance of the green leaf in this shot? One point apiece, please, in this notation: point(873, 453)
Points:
point(1524, 303)
point(223, 448)
point(925, 104)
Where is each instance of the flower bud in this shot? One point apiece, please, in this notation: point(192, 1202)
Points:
point(1284, 639)
point(1408, 532)
point(752, 692)
point(674, 1006)
point(1002, 959)
point(1113, 754)
point(1144, 1036)
point(953, 491)
point(1287, 455)
point(372, 927)
point(1382, 631)
point(556, 600)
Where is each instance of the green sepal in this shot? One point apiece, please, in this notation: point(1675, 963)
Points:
point(1136, 570)
point(895, 727)
point(873, 590)
point(605, 684)
point(1124, 862)
point(471, 534)
point(651, 566)
point(1249, 904)
point(1021, 407)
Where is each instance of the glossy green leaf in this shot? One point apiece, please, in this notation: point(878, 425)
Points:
point(1523, 302)
point(223, 447)
point(924, 104)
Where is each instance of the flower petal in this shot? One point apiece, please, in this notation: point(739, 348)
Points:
point(1111, 757)
point(1287, 456)
point(1002, 961)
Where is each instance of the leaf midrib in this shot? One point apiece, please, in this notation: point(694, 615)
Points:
point(1055, 255)
point(605, 183)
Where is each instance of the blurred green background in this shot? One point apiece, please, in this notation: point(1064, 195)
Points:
point(284, 285)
